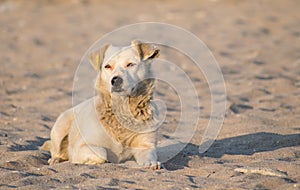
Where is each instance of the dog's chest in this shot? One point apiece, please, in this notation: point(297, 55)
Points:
point(113, 127)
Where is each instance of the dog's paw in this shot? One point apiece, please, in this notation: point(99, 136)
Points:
point(154, 165)
point(94, 162)
point(53, 161)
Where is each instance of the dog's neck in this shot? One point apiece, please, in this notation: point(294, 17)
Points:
point(135, 112)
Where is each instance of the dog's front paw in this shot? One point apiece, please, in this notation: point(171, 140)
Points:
point(53, 161)
point(154, 165)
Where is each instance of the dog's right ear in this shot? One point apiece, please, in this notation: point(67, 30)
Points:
point(97, 57)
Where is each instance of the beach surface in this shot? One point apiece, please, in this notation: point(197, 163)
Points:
point(257, 46)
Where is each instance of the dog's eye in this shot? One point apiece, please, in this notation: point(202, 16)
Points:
point(130, 64)
point(107, 67)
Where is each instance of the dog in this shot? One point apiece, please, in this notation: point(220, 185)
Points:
point(119, 123)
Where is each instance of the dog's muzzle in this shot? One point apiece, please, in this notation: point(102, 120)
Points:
point(116, 83)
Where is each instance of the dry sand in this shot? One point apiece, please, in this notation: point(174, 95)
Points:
point(256, 43)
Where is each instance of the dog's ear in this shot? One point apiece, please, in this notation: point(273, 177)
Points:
point(145, 50)
point(97, 57)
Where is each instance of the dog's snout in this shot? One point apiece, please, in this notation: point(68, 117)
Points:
point(116, 81)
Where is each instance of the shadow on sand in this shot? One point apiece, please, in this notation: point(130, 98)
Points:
point(31, 145)
point(240, 145)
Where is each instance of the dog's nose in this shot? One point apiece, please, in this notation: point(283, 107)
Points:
point(116, 81)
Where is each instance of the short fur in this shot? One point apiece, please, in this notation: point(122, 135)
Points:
point(110, 127)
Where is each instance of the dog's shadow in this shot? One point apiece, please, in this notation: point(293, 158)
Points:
point(239, 145)
point(30, 145)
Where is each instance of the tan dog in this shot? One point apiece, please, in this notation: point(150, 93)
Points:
point(120, 122)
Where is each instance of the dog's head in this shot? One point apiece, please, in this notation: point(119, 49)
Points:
point(121, 69)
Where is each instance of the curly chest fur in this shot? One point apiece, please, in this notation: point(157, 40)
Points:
point(124, 121)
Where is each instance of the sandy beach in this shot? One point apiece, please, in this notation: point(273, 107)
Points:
point(257, 46)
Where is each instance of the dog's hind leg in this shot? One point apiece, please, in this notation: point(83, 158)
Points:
point(88, 154)
point(59, 137)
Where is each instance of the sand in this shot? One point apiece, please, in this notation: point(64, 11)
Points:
point(256, 43)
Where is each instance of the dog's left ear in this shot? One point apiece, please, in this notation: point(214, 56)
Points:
point(97, 57)
point(146, 51)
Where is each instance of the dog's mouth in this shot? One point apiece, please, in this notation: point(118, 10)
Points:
point(117, 89)
point(123, 92)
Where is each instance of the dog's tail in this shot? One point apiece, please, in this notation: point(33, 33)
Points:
point(46, 146)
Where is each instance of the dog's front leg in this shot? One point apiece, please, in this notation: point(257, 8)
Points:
point(144, 150)
point(147, 158)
